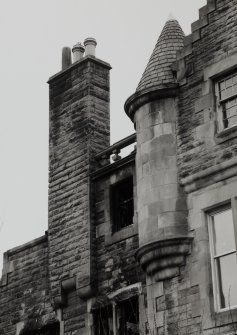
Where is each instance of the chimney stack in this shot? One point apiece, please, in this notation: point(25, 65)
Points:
point(90, 44)
point(78, 52)
point(66, 58)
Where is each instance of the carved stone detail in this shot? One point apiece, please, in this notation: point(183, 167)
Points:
point(162, 259)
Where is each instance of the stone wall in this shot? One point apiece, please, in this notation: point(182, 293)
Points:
point(213, 41)
point(24, 289)
point(206, 156)
point(114, 253)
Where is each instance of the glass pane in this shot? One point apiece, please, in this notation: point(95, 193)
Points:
point(235, 79)
point(231, 103)
point(223, 95)
point(233, 121)
point(231, 111)
point(229, 92)
point(223, 232)
point(229, 82)
point(227, 280)
point(235, 89)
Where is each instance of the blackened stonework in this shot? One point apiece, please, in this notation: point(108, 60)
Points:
point(79, 129)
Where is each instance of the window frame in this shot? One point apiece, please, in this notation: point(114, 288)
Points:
point(232, 204)
point(131, 230)
point(117, 308)
point(114, 188)
point(221, 103)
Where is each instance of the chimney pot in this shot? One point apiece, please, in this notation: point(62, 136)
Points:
point(78, 52)
point(66, 58)
point(90, 44)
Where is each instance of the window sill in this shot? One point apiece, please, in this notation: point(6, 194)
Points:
point(223, 317)
point(226, 134)
point(122, 234)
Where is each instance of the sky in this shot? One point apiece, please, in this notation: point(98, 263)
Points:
point(32, 35)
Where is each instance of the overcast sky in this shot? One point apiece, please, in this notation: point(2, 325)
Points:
point(32, 34)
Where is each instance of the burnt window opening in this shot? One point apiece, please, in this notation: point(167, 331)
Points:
point(103, 321)
point(31, 328)
point(122, 207)
point(128, 317)
point(124, 318)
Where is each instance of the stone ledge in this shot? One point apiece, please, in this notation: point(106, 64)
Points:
point(122, 234)
point(218, 172)
point(138, 99)
point(162, 259)
point(28, 245)
point(77, 64)
point(226, 134)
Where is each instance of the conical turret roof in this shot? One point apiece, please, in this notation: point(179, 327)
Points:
point(158, 71)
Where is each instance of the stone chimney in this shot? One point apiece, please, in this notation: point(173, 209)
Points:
point(90, 45)
point(78, 52)
point(66, 57)
point(79, 122)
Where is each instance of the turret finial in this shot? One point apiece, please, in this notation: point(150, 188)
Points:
point(171, 17)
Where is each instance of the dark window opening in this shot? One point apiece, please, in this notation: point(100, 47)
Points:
point(128, 317)
point(122, 207)
point(103, 321)
point(124, 318)
point(31, 328)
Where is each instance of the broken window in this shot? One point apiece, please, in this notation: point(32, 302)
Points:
point(31, 328)
point(128, 317)
point(103, 321)
point(122, 207)
point(121, 318)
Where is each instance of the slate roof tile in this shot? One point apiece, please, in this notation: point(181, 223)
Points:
point(158, 71)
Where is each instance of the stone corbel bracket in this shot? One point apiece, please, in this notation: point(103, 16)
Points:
point(162, 259)
point(67, 285)
point(72, 284)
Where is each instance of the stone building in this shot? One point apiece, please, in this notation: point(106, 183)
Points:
point(144, 244)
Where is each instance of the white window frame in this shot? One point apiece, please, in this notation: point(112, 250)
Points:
point(232, 204)
point(222, 102)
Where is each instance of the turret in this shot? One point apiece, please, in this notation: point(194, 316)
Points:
point(162, 211)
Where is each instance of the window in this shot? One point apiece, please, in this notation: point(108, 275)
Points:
point(224, 257)
point(121, 318)
point(122, 207)
point(226, 92)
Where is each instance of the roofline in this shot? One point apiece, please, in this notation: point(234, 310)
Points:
point(77, 64)
point(27, 245)
point(140, 98)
